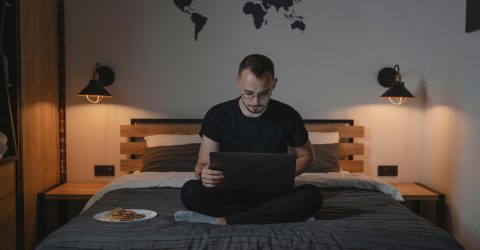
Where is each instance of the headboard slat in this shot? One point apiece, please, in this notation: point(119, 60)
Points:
point(146, 130)
point(344, 131)
point(188, 129)
point(131, 148)
point(138, 147)
point(351, 165)
point(351, 149)
point(130, 165)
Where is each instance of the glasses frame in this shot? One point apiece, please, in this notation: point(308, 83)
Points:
point(260, 97)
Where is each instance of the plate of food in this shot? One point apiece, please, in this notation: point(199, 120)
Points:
point(125, 215)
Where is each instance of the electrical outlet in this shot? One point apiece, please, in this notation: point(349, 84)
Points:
point(104, 170)
point(387, 170)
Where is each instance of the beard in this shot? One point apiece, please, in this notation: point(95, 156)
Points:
point(255, 109)
point(258, 109)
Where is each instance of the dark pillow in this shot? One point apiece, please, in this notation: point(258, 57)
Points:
point(178, 158)
point(326, 158)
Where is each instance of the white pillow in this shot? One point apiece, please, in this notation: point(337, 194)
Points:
point(3, 138)
point(324, 137)
point(3, 144)
point(3, 149)
point(170, 140)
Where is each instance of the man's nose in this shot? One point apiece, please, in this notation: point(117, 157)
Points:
point(256, 99)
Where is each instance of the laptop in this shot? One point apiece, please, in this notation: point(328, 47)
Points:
point(255, 172)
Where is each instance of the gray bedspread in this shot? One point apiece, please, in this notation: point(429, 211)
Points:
point(349, 219)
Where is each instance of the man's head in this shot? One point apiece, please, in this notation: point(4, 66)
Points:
point(256, 81)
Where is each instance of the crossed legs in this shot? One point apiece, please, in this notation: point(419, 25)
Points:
point(252, 208)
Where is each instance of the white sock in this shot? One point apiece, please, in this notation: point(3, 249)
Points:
point(191, 216)
point(311, 218)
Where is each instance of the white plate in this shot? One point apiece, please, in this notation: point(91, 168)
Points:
point(148, 215)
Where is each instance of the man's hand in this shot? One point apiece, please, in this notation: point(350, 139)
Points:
point(305, 158)
point(210, 177)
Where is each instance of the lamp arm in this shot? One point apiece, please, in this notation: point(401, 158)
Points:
point(96, 73)
point(396, 68)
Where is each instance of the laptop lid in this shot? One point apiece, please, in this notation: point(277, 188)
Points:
point(255, 172)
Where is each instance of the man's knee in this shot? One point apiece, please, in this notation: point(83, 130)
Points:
point(314, 196)
point(189, 193)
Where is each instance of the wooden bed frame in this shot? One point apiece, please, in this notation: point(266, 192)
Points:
point(140, 128)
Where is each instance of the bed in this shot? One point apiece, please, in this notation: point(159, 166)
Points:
point(359, 212)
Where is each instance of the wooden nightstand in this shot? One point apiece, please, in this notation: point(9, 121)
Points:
point(418, 193)
point(73, 191)
point(59, 204)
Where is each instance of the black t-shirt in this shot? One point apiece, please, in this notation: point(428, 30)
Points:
point(278, 126)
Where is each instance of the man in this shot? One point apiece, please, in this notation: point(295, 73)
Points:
point(251, 123)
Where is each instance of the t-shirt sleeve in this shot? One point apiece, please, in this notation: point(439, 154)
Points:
point(298, 134)
point(210, 126)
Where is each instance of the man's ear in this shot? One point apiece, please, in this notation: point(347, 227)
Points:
point(237, 82)
point(274, 83)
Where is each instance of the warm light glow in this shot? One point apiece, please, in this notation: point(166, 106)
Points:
point(94, 98)
point(397, 100)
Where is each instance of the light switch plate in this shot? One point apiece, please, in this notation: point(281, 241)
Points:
point(104, 170)
point(387, 170)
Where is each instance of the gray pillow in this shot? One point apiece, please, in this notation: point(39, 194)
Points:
point(178, 158)
point(326, 158)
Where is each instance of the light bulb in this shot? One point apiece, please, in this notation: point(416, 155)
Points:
point(397, 100)
point(94, 99)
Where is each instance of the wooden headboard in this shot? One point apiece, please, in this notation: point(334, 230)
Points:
point(134, 145)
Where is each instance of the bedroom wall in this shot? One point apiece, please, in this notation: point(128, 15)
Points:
point(452, 117)
point(329, 71)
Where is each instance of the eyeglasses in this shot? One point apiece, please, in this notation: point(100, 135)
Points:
point(261, 96)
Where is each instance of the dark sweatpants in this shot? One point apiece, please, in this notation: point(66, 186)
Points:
point(252, 207)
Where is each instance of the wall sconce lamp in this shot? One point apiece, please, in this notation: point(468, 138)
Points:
point(95, 90)
point(391, 78)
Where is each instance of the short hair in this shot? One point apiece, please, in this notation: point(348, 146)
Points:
point(258, 64)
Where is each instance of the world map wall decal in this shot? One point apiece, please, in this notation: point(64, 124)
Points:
point(258, 9)
point(196, 18)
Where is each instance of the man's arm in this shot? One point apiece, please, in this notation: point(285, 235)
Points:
point(305, 158)
point(209, 177)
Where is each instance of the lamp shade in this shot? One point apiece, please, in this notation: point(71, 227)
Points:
point(95, 91)
point(94, 88)
point(397, 93)
point(398, 90)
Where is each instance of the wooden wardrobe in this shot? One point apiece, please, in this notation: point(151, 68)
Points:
point(38, 160)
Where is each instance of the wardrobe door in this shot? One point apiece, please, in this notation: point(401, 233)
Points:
point(39, 115)
point(8, 145)
point(8, 227)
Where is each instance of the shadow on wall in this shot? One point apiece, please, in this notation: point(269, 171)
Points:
point(441, 151)
point(421, 94)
